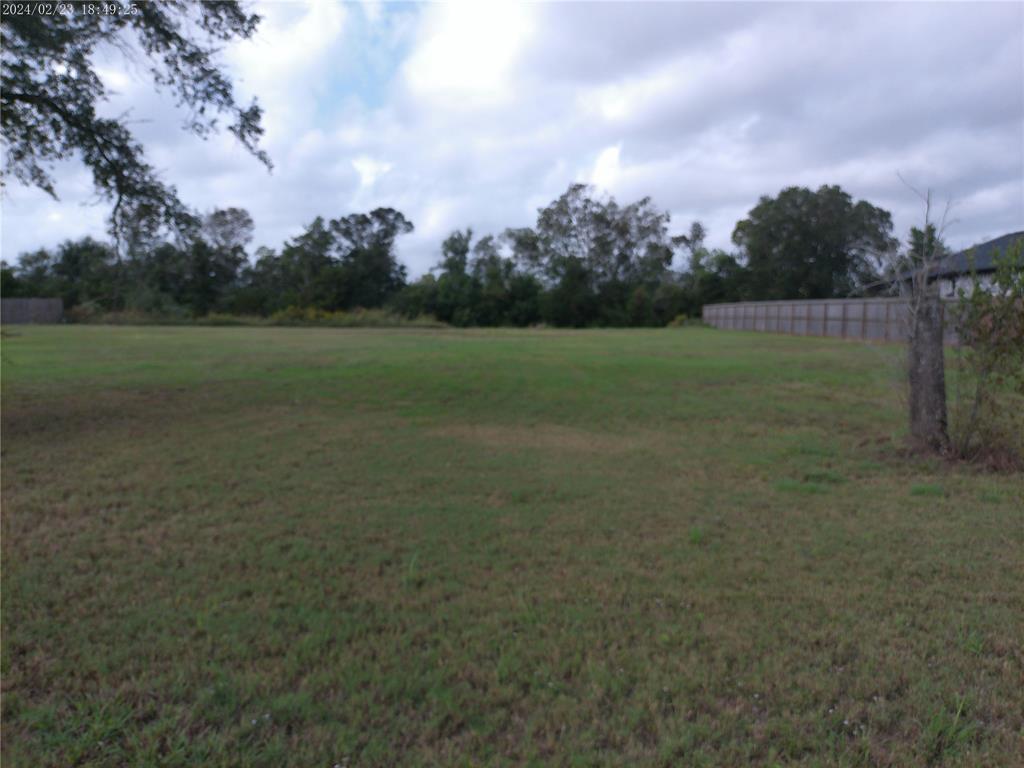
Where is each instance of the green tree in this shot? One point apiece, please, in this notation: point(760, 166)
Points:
point(418, 298)
point(302, 265)
point(334, 264)
point(207, 268)
point(474, 284)
point(813, 245)
point(571, 301)
point(506, 295)
point(364, 246)
point(718, 277)
point(76, 272)
point(259, 289)
point(10, 285)
point(457, 291)
point(35, 274)
point(592, 254)
point(211, 272)
point(640, 308)
point(159, 274)
point(228, 230)
point(84, 271)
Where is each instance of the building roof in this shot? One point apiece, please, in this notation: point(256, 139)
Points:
point(981, 256)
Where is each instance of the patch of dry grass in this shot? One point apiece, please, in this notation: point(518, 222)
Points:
point(543, 437)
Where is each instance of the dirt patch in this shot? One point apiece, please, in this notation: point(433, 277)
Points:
point(545, 437)
point(140, 409)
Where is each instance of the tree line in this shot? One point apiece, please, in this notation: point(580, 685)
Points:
point(587, 261)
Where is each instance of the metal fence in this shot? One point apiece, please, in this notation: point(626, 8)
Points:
point(867, 319)
point(14, 311)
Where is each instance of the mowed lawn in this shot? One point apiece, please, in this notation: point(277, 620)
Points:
point(313, 547)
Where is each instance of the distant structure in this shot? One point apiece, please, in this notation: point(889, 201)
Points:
point(20, 311)
point(954, 271)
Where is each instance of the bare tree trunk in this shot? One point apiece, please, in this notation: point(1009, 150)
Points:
point(927, 376)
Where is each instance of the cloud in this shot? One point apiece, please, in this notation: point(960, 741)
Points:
point(466, 53)
point(285, 63)
point(607, 168)
point(370, 170)
point(476, 115)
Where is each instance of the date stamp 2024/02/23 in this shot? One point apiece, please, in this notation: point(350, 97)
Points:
point(69, 9)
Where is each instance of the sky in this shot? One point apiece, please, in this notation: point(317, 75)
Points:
point(475, 115)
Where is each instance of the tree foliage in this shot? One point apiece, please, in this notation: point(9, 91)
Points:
point(364, 251)
point(592, 255)
point(333, 265)
point(807, 244)
point(587, 261)
point(474, 284)
point(51, 96)
point(76, 271)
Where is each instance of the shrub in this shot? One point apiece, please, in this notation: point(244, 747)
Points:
point(148, 301)
point(93, 314)
point(292, 316)
point(223, 319)
point(357, 318)
point(682, 321)
point(86, 312)
point(987, 418)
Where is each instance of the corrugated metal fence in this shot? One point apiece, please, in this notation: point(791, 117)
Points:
point(14, 311)
point(868, 319)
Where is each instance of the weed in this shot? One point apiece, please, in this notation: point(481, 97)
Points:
point(947, 733)
point(926, 489)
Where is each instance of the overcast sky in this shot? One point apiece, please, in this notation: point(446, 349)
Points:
point(476, 115)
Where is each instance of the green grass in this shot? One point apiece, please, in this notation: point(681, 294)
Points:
point(316, 547)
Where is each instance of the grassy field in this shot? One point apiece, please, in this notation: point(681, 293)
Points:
point(311, 547)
